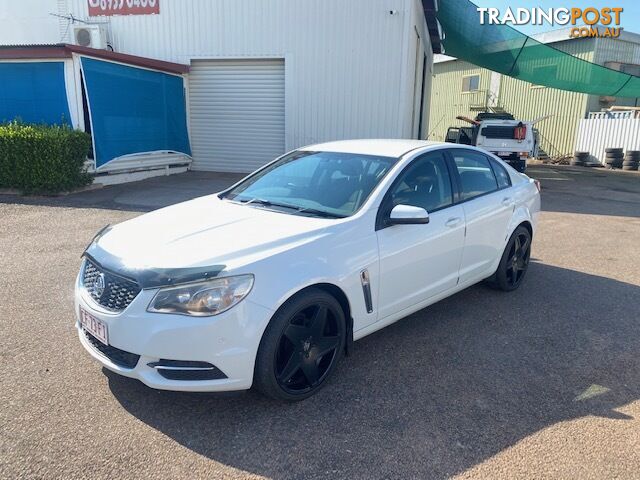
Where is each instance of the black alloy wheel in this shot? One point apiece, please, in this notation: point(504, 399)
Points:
point(306, 349)
point(514, 262)
point(301, 346)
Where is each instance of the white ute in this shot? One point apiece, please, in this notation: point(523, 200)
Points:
point(514, 141)
point(267, 283)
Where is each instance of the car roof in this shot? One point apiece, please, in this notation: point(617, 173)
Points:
point(381, 147)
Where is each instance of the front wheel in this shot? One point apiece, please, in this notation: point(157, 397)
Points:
point(514, 262)
point(301, 346)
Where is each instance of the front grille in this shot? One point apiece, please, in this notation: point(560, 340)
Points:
point(118, 292)
point(119, 357)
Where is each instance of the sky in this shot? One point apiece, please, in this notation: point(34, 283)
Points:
point(630, 17)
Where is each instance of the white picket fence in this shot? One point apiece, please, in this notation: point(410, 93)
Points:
point(608, 130)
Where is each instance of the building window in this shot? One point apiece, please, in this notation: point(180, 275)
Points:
point(471, 83)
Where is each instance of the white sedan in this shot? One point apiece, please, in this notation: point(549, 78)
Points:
point(268, 283)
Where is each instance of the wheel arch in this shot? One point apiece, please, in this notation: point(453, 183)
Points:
point(338, 293)
point(521, 217)
point(526, 224)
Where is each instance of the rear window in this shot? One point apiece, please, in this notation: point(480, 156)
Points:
point(498, 131)
point(476, 174)
point(503, 178)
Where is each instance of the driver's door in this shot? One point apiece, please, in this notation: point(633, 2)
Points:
point(419, 261)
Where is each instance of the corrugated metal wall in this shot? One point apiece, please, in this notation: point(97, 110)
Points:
point(614, 50)
point(596, 134)
point(346, 63)
point(528, 102)
point(522, 99)
point(447, 98)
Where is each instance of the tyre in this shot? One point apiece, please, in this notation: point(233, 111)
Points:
point(613, 162)
point(613, 150)
point(579, 159)
point(633, 155)
point(514, 262)
point(519, 165)
point(301, 346)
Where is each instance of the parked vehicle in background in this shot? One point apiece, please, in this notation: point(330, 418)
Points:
point(267, 283)
point(514, 141)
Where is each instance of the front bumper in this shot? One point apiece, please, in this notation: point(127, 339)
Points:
point(228, 341)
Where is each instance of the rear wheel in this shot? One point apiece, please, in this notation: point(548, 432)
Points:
point(519, 165)
point(301, 346)
point(514, 262)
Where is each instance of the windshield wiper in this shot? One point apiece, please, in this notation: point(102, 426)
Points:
point(313, 211)
point(320, 213)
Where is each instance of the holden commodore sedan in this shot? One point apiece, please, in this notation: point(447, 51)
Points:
point(268, 283)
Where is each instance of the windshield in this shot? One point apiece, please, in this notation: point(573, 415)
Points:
point(314, 183)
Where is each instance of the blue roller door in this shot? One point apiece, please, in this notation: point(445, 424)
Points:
point(134, 110)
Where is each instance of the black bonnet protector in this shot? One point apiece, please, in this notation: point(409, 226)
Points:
point(150, 277)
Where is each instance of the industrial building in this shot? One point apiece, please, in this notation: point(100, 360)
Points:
point(222, 85)
point(461, 88)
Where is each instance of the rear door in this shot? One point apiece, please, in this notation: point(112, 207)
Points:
point(419, 261)
point(488, 206)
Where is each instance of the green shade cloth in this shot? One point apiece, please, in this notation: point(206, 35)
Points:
point(503, 49)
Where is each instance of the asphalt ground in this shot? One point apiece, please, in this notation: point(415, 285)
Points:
point(543, 382)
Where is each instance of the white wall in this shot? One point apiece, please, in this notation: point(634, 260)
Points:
point(349, 70)
point(608, 130)
point(28, 21)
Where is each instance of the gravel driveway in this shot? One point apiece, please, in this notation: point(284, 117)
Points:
point(542, 382)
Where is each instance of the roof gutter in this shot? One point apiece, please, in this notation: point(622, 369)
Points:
point(65, 50)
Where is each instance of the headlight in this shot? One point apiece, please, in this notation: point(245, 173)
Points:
point(202, 299)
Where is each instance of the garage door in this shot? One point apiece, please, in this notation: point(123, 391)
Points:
point(236, 113)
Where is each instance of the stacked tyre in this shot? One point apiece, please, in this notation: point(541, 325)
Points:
point(580, 159)
point(631, 160)
point(613, 157)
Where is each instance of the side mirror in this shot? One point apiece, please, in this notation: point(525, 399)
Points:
point(408, 215)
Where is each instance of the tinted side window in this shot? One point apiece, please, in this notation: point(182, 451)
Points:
point(425, 183)
point(502, 176)
point(475, 172)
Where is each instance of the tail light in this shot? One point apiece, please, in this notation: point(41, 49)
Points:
point(520, 132)
point(537, 184)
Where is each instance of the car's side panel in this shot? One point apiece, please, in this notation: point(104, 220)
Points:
point(383, 322)
point(527, 206)
point(487, 220)
point(419, 261)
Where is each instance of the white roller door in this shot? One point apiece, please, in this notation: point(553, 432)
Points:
point(236, 113)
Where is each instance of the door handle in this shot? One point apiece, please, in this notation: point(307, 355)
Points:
point(453, 222)
point(506, 201)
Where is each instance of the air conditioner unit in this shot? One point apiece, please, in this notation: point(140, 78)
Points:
point(94, 36)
